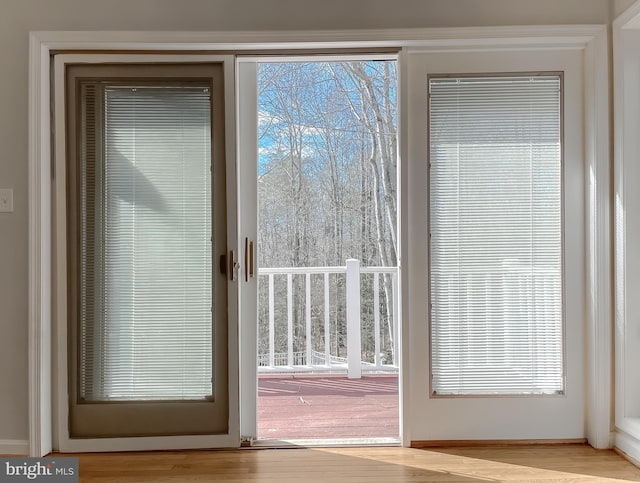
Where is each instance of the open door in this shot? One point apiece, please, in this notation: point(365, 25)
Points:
point(319, 292)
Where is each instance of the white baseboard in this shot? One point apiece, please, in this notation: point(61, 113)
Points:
point(16, 447)
point(629, 446)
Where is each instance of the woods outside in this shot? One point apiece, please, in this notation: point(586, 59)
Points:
point(327, 185)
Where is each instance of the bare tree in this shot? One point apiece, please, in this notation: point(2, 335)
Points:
point(328, 170)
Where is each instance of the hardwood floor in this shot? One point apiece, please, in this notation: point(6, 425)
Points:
point(555, 463)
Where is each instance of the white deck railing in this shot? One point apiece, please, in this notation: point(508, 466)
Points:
point(311, 360)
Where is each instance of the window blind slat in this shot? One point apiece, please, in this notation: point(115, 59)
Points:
point(495, 231)
point(150, 335)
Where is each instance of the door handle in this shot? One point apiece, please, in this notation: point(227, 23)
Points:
point(251, 259)
point(230, 266)
point(234, 266)
point(248, 259)
point(223, 264)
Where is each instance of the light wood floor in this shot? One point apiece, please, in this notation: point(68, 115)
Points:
point(559, 463)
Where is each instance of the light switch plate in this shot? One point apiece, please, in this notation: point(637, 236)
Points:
point(6, 200)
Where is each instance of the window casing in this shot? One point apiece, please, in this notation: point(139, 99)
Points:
point(496, 249)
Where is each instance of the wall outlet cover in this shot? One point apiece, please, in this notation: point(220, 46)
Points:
point(6, 200)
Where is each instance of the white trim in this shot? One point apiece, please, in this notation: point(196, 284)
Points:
point(629, 445)
point(276, 59)
point(17, 447)
point(405, 369)
point(619, 222)
point(59, 226)
point(41, 45)
point(598, 238)
point(628, 425)
point(629, 19)
point(40, 397)
point(325, 443)
point(531, 36)
point(626, 120)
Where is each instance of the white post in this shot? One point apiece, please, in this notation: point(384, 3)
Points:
point(272, 323)
point(354, 350)
point(327, 320)
point(307, 312)
point(376, 317)
point(290, 361)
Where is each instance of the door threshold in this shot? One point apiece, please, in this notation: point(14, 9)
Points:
point(324, 442)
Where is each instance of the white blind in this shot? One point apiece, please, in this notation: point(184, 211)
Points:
point(146, 282)
point(495, 227)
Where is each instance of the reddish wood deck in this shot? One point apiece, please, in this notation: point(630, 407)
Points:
point(327, 407)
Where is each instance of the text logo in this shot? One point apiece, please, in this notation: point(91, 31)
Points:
point(53, 470)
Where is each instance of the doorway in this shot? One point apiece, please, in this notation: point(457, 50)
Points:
point(327, 277)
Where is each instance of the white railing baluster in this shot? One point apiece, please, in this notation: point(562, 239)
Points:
point(308, 317)
point(354, 347)
point(327, 329)
point(272, 324)
point(305, 359)
point(376, 317)
point(289, 319)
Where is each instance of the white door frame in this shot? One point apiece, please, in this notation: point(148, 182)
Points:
point(247, 98)
point(592, 39)
point(626, 70)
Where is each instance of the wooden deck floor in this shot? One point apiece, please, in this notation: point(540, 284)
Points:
point(327, 407)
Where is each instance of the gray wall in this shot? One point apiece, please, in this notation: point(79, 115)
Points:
point(18, 17)
point(620, 6)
